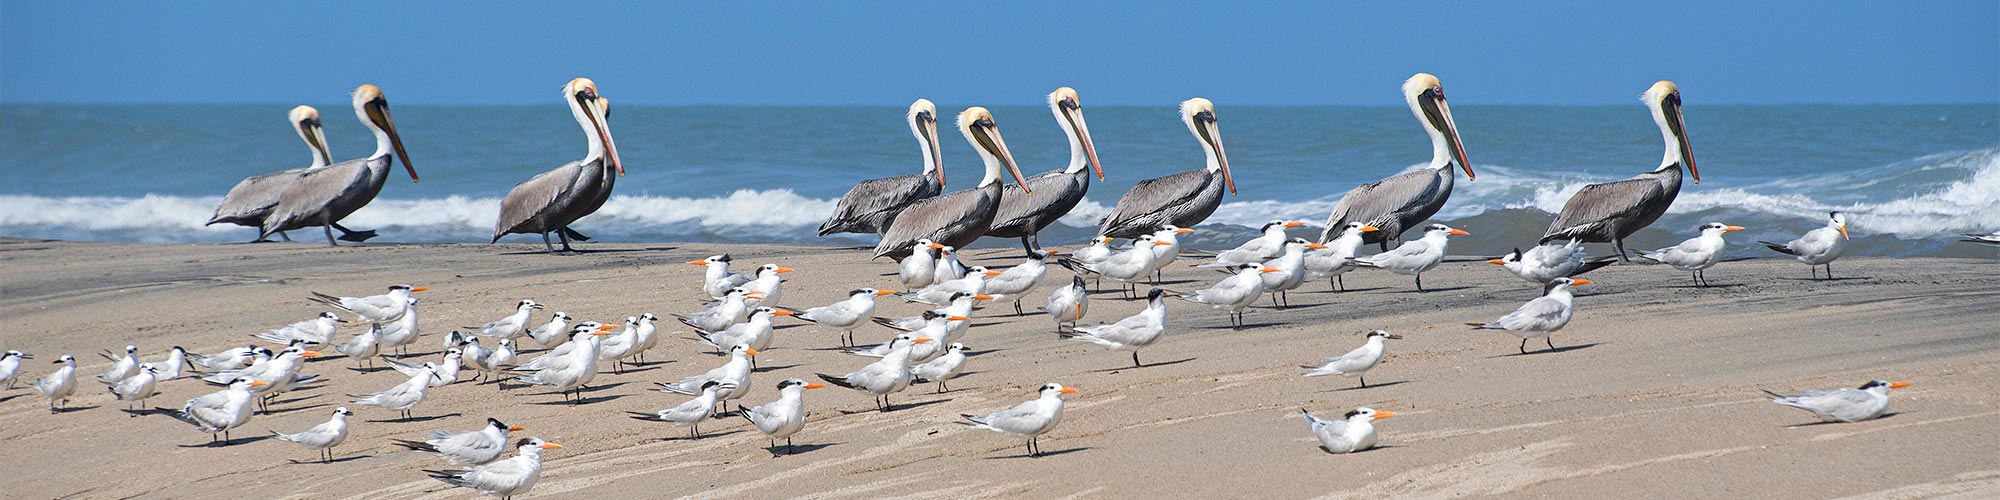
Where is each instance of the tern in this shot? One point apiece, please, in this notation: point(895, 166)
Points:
point(1399, 203)
point(136, 388)
point(232, 359)
point(553, 333)
point(961, 306)
point(1234, 293)
point(1291, 266)
point(782, 418)
point(1269, 242)
point(403, 332)
point(1415, 257)
point(511, 326)
point(1166, 254)
point(169, 369)
point(324, 196)
point(1612, 211)
point(1844, 405)
point(942, 369)
point(363, 347)
point(1131, 265)
point(374, 308)
point(692, 412)
point(868, 207)
point(279, 374)
point(716, 279)
point(754, 332)
point(621, 345)
point(1027, 420)
point(919, 269)
point(887, 376)
point(846, 314)
point(958, 218)
point(763, 290)
point(1336, 258)
point(442, 373)
point(491, 361)
point(10, 366)
point(1056, 191)
point(1132, 333)
point(1184, 199)
point(1818, 247)
point(218, 412)
point(322, 437)
point(505, 478)
point(732, 309)
point(403, 397)
point(940, 294)
point(470, 447)
point(936, 327)
point(1695, 255)
point(550, 356)
point(1018, 280)
point(572, 370)
point(316, 331)
point(1067, 304)
point(121, 366)
point(1354, 432)
point(947, 266)
point(1098, 250)
point(647, 335)
point(734, 375)
point(251, 201)
point(551, 201)
point(1539, 317)
point(1546, 262)
point(1356, 362)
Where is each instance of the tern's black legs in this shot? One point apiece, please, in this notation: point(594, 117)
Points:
point(1135, 360)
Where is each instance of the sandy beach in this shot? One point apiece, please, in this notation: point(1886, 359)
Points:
point(1652, 392)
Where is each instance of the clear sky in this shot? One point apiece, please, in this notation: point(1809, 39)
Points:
point(1001, 52)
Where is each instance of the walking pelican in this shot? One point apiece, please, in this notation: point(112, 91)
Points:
point(251, 201)
point(1611, 211)
point(956, 219)
point(868, 207)
point(1184, 199)
point(1407, 199)
point(549, 202)
point(1057, 191)
point(324, 196)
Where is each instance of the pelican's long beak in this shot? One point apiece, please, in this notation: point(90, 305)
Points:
point(1671, 106)
point(928, 124)
point(378, 111)
point(989, 138)
point(1439, 115)
point(1082, 130)
point(1205, 127)
point(315, 135)
point(593, 107)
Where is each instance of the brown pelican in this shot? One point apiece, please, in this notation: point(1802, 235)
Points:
point(322, 197)
point(1611, 211)
point(1405, 200)
point(1184, 199)
point(251, 201)
point(958, 218)
point(552, 200)
point(1056, 191)
point(867, 208)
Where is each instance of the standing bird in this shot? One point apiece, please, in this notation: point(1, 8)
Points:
point(1356, 362)
point(374, 308)
point(322, 437)
point(692, 412)
point(1612, 211)
point(403, 332)
point(512, 325)
point(229, 360)
point(1818, 247)
point(1415, 257)
point(764, 289)
point(942, 369)
point(1695, 255)
point(121, 366)
point(251, 201)
point(505, 478)
point(716, 279)
point(218, 412)
point(958, 218)
point(1018, 280)
point(322, 197)
point(1056, 191)
point(1337, 258)
point(446, 370)
point(492, 361)
point(935, 329)
point(1184, 199)
point(887, 376)
point(136, 388)
point(871, 204)
point(316, 331)
point(167, 370)
point(1027, 420)
point(734, 376)
point(1269, 242)
point(551, 201)
point(471, 447)
point(1354, 432)
point(1546, 262)
point(1234, 293)
point(941, 293)
point(732, 309)
point(754, 332)
point(1131, 265)
point(947, 267)
point(10, 366)
point(919, 269)
point(1291, 266)
point(572, 370)
point(403, 397)
point(363, 347)
point(1132, 333)
point(782, 418)
point(846, 314)
point(1844, 405)
point(59, 386)
point(1539, 317)
point(1166, 254)
point(1401, 202)
point(553, 333)
point(1067, 304)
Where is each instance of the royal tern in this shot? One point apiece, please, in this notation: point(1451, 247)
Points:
point(1415, 257)
point(1356, 362)
point(886, 376)
point(729, 311)
point(755, 332)
point(316, 331)
point(1028, 420)
point(219, 411)
point(648, 335)
point(323, 437)
point(1131, 265)
point(1018, 280)
point(1098, 250)
point(363, 347)
point(10, 366)
point(403, 397)
point(59, 386)
point(734, 375)
point(846, 314)
point(937, 327)
point(374, 308)
point(1398, 203)
point(621, 345)
point(171, 368)
point(510, 326)
point(136, 388)
point(961, 306)
point(1234, 293)
point(121, 366)
point(444, 372)
point(549, 356)
point(764, 289)
point(1184, 199)
point(940, 294)
point(716, 279)
point(401, 333)
point(1843, 405)
point(505, 478)
point(1546, 262)
point(947, 266)
point(553, 333)
point(958, 218)
point(1540, 317)
point(1612, 211)
point(692, 412)
point(942, 369)
point(470, 447)
point(1291, 266)
point(1818, 247)
point(571, 370)
point(229, 360)
point(782, 418)
point(1353, 432)
point(1337, 258)
point(1056, 192)
point(868, 207)
point(1068, 304)
point(918, 270)
point(1132, 333)
point(1268, 243)
point(1166, 254)
point(279, 374)
point(324, 196)
point(490, 361)
point(1695, 255)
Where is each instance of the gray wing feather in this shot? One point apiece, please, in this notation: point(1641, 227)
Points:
point(251, 200)
point(315, 192)
point(1597, 203)
point(872, 203)
point(534, 199)
point(1378, 203)
point(954, 219)
point(1055, 194)
point(1152, 196)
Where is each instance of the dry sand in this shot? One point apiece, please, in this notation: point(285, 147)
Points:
point(1652, 394)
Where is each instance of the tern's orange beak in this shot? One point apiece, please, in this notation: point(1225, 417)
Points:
point(1579, 281)
point(1293, 224)
point(935, 246)
point(1497, 262)
point(879, 293)
point(1843, 233)
point(784, 269)
point(703, 262)
point(1370, 229)
point(752, 352)
point(1315, 246)
point(1898, 385)
point(1161, 243)
point(754, 295)
point(992, 273)
point(1732, 228)
point(952, 318)
point(1183, 231)
point(310, 354)
point(1459, 232)
point(815, 385)
point(550, 446)
point(419, 289)
point(1384, 414)
point(1067, 390)
point(516, 428)
point(781, 312)
point(258, 383)
point(1052, 251)
point(1268, 270)
point(927, 339)
point(982, 297)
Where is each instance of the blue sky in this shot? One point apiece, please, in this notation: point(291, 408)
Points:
point(881, 53)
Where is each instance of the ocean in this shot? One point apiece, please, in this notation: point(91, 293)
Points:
point(1910, 177)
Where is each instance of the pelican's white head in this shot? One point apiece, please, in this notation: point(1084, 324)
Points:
point(1664, 99)
point(589, 110)
point(1426, 98)
point(305, 121)
point(977, 125)
point(1199, 115)
point(1069, 115)
point(923, 124)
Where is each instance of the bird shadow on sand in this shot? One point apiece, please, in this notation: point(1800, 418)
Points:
point(976, 353)
point(1711, 285)
point(1370, 386)
point(334, 461)
point(1435, 289)
point(704, 435)
point(1350, 290)
point(11, 398)
point(1846, 278)
point(69, 409)
point(1115, 370)
point(772, 368)
point(367, 370)
point(578, 251)
point(1557, 350)
point(1044, 454)
point(1815, 424)
point(413, 418)
point(630, 369)
point(895, 407)
point(601, 387)
point(232, 442)
point(1246, 326)
point(1288, 307)
point(584, 401)
point(784, 451)
point(295, 400)
point(289, 410)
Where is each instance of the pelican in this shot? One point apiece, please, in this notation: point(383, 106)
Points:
point(868, 207)
point(1184, 199)
point(1022, 216)
point(956, 219)
point(322, 197)
point(1407, 199)
point(549, 202)
point(1611, 211)
point(251, 201)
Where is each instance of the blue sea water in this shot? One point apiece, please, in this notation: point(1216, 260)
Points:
point(1910, 177)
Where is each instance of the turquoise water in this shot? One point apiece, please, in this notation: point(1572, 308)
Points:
point(1910, 176)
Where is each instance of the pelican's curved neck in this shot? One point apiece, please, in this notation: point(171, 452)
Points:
point(1672, 157)
point(1077, 159)
point(924, 143)
point(1214, 161)
point(992, 167)
point(1440, 149)
point(383, 147)
point(583, 119)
